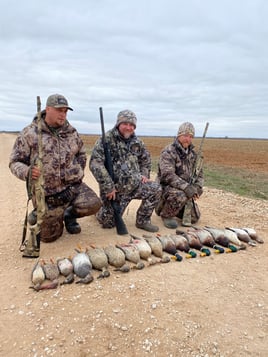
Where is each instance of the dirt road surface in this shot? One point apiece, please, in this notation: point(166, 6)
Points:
point(207, 306)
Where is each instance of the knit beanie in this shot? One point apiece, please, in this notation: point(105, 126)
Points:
point(126, 116)
point(186, 128)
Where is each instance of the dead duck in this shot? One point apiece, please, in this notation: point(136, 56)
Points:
point(143, 247)
point(155, 244)
point(192, 238)
point(168, 244)
point(37, 275)
point(82, 264)
point(218, 235)
point(181, 242)
point(66, 269)
point(207, 240)
point(51, 269)
point(115, 256)
point(253, 235)
point(131, 252)
point(204, 236)
point(232, 236)
point(99, 261)
point(242, 235)
point(65, 266)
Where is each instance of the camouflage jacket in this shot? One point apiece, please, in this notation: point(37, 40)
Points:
point(130, 161)
point(64, 156)
point(176, 165)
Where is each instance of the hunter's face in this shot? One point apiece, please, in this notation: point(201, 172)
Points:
point(56, 117)
point(126, 130)
point(185, 140)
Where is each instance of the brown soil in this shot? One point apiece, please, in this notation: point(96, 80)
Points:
point(207, 306)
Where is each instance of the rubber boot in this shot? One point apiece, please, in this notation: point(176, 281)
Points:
point(71, 224)
point(170, 223)
point(147, 226)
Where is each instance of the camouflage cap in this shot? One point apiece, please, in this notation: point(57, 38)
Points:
point(57, 101)
point(126, 116)
point(186, 128)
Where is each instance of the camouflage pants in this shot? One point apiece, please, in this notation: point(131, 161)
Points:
point(149, 193)
point(172, 204)
point(84, 202)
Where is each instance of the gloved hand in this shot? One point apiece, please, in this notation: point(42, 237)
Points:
point(190, 191)
point(199, 190)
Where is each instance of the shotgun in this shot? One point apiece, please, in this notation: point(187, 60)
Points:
point(30, 247)
point(119, 223)
point(197, 167)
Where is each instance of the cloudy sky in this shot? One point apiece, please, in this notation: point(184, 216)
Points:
point(167, 60)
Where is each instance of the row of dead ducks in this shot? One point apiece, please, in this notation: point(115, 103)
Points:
point(148, 248)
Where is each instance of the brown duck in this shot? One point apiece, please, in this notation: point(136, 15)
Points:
point(99, 261)
point(51, 269)
point(115, 256)
point(155, 244)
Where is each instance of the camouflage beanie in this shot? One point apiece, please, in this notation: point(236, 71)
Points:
point(126, 116)
point(186, 128)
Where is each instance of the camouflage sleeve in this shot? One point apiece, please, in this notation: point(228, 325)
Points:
point(145, 163)
point(81, 155)
point(97, 167)
point(168, 163)
point(19, 162)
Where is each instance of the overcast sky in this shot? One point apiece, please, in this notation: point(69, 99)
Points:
point(169, 61)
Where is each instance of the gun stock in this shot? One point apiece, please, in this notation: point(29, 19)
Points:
point(119, 223)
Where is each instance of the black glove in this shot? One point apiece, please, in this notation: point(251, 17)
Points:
point(190, 191)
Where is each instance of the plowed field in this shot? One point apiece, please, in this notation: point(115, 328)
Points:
point(240, 153)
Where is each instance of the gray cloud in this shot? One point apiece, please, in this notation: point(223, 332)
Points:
point(169, 61)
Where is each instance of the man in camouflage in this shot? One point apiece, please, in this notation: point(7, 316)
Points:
point(176, 164)
point(64, 159)
point(131, 166)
